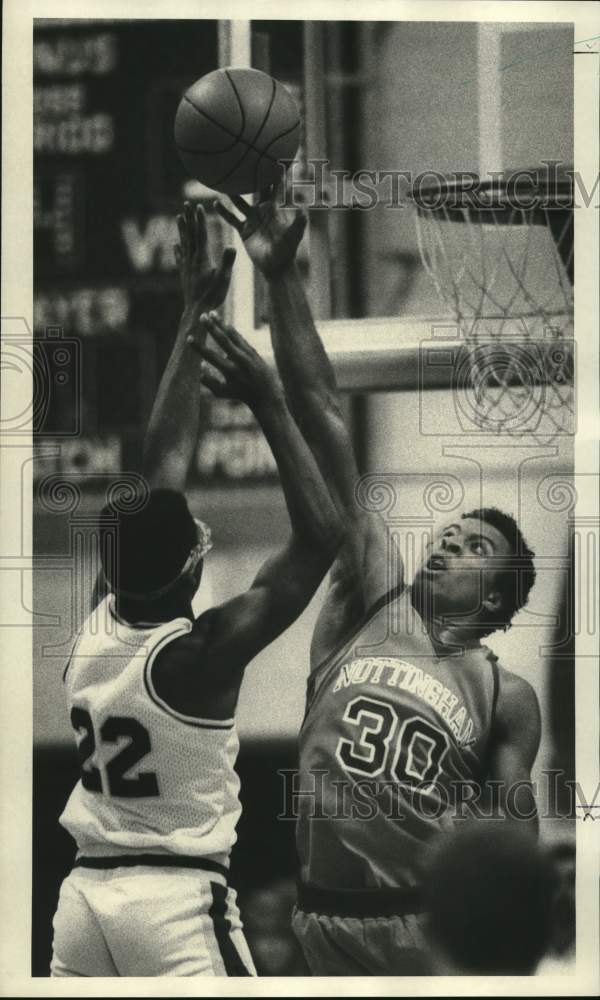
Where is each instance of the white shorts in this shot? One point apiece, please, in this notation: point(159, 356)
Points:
point(148, 921)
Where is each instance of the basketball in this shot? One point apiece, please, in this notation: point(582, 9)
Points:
point(231, 128)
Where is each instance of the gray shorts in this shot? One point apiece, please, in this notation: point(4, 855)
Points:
point(362, 946)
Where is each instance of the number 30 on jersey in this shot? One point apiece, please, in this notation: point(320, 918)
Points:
point(418, 747)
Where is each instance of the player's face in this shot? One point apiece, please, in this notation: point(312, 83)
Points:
point(459, 570)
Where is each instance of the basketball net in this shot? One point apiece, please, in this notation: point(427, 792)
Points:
point(505, 274)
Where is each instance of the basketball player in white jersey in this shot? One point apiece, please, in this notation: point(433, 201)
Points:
point(152, 691)
point(405, 703)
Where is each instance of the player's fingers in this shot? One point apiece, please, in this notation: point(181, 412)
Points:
point(200, 230)
point(223, 276)
point(228, 259)
point(294, 234)
point(220, 336)
point(197, 340)
point(221, 325)
point(209, 283)
point(227, 337)
point(241, 204)
point(207, 353)
point(277, 190)
point(299, 213)
point(299, 224)
point(228, 216)
point(217, 385)
point(265, 194)
point(183, 233)
point(222, 363)
point(193, 343)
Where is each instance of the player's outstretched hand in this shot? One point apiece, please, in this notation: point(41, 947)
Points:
point(202, 284)
point(237, 371)
point(271, 233)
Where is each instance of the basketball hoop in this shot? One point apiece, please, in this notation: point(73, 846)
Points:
point(500, 254)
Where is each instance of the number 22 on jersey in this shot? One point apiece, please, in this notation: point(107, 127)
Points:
point(113, 729)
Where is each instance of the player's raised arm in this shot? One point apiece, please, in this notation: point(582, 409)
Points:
point(287, 581)
point(174, 424)
point(271, 240)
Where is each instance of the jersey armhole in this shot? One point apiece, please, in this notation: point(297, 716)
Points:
point(70, 660)
point(495, 691)
point(189, 720)
point(493, 661)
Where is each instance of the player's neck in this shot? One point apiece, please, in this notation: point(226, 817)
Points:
point(443, 632)
point(447, 634)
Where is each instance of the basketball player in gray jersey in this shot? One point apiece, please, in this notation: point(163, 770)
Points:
point(405, 703)
point(152, 690)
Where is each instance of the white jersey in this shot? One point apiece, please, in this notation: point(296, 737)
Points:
point(152, 780)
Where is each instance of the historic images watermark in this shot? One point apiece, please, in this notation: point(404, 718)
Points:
point(51, 362)
point(517, 386)
point(360, 798)
point(316, 184)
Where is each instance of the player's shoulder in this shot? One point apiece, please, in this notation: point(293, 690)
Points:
point(190, 680)
point(517, 700)
point(514, 685)
point(187, 647)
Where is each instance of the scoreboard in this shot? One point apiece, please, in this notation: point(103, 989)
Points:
point(107, 186)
